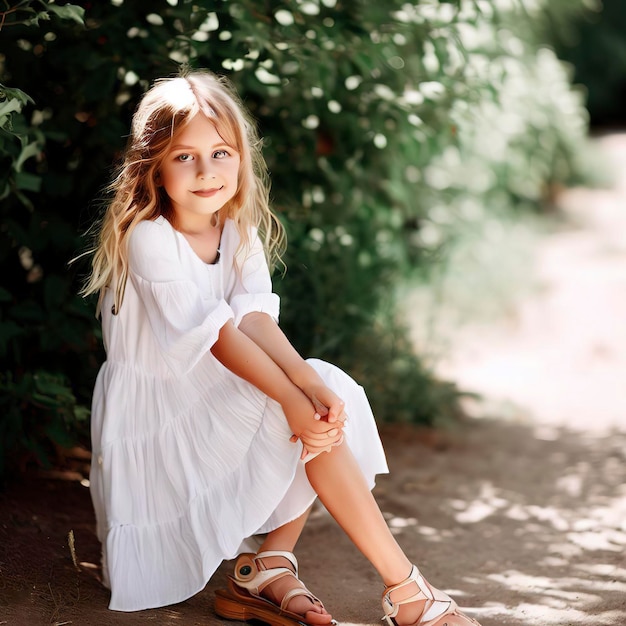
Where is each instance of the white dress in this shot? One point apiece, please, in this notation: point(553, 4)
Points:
point(189, 460)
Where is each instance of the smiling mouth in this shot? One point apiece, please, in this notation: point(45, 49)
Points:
point(207, 193)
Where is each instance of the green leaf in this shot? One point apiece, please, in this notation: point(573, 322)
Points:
point(31, 150)
point(59, 434)
point(13, 93)
point(81, 413)
point(27, 181)
point(43, 401)
point(68, 12)
point(52, 386)
point(7, 107)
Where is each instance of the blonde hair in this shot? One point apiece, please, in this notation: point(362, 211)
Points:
point(165, 108)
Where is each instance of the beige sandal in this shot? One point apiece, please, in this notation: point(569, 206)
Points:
point(439, 610)
point(242, 600)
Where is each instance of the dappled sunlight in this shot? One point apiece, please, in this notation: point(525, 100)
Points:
point(545, 615)
point(519, 529)
point(486, 504)
point(557, 599)
point(396, 524)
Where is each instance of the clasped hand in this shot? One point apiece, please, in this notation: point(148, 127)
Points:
point(317, 417)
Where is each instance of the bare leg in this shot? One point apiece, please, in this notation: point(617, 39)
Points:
point(285, 538)
point(341, 486)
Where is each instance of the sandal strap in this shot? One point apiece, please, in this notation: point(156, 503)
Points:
point(299, 591)
point(290, 556)
point(250, 576)
point(437, 604)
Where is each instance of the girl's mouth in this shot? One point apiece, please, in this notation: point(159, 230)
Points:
point(207, 193)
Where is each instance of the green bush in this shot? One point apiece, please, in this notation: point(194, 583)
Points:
point(372, 115)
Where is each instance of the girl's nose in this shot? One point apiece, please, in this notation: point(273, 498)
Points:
point(204, 169)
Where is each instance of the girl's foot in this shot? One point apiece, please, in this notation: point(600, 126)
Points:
point(415, 602)
point(310, 608)
point(266, 587)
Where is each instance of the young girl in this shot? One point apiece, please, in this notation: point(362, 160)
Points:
point(208, 428)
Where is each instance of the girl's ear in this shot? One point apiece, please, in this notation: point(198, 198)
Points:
point(157, 179)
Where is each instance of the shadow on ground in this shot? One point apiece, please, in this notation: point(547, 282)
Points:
point(522, 525)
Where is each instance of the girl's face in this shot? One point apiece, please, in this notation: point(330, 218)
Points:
point(199, 173)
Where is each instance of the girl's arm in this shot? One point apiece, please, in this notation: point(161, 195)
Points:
point(266, 334)
point(241, 355)
point(253, 289)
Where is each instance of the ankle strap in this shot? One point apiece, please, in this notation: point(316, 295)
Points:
point(290, 556)
point(437, 604)
point(392, 607)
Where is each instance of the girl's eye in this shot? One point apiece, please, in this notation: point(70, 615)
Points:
point(184, 157)
point(220, 154)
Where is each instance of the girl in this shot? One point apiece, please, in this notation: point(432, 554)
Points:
point(208, 428)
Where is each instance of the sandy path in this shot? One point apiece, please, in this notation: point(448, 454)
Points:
point(562, 355)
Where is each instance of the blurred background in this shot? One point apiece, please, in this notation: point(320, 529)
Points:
point(418, 151)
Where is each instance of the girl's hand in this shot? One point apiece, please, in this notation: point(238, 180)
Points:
point(314, 444)
point(328, 405)
point(317, 434)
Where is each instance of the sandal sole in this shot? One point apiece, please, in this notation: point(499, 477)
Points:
point(233, 608)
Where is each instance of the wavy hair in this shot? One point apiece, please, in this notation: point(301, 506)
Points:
point(165, 108)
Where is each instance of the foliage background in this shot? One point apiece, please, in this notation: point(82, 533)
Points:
point(595, 45)
point(389, 128)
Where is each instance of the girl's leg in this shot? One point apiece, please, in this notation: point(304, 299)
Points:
point(285, 538)
point(341, 487)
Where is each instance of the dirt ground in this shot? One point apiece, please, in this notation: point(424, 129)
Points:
point(519, 512)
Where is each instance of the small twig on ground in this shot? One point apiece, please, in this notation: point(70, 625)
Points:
point(72, 547)
point(56, 604)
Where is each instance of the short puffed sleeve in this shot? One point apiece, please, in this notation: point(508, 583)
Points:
point(184, 321)
point(252, 289)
